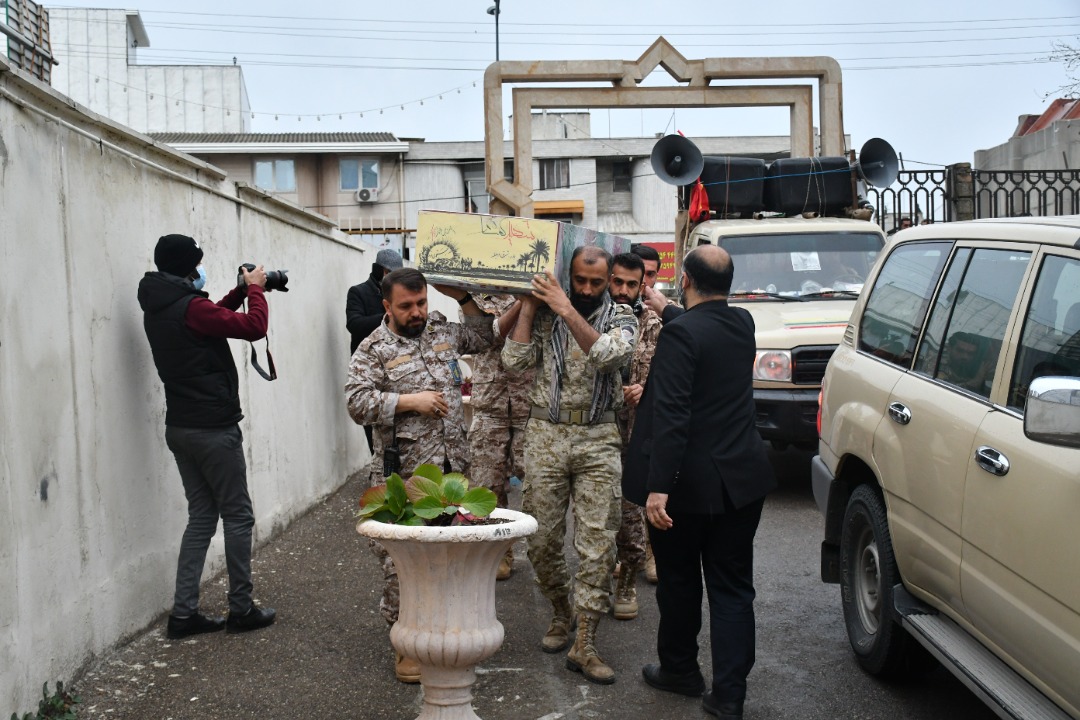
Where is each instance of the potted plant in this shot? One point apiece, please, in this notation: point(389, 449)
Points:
point(446, 541)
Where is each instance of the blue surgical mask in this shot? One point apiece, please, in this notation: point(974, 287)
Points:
point(200, 281)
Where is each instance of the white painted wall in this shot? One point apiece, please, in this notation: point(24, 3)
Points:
point(1052, 148)
point(91, 504)
point(97, 69)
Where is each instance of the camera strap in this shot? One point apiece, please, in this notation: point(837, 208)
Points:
point(272, 375)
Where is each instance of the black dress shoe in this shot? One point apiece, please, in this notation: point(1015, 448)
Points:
point(253, 619)
point(722, 710)
point(691, 683)
point(196, 624)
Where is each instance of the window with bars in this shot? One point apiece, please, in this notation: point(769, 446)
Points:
point(554, 173)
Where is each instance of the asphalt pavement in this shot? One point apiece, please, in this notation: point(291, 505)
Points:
point(329, 655)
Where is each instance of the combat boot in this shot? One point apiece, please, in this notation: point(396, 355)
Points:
point(650, 564)
point(558, 635)
point(583, 657)
point(626, 607)
point(506, 565)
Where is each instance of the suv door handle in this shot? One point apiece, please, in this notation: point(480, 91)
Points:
point(899, 413)
point(991, 460)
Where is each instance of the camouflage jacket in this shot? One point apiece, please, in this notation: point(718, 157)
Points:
point(386, 365)
point(610, 352)
point(494, 388)
point(649, 326)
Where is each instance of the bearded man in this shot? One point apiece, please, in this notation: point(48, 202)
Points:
point(579, 345)
point(404, 381)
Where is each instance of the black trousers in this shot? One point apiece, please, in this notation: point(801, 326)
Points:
point(720, 547)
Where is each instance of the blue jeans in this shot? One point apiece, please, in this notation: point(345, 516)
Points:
point(214, 472)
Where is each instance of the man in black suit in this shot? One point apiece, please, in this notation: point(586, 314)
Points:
point(698, 466)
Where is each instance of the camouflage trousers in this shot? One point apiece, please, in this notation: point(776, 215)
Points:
point(497, 445)
point(630, 541)
point(580, 463)
point(391, 595)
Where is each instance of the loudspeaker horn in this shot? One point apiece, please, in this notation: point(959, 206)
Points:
point(676, 160)
point(877, 163)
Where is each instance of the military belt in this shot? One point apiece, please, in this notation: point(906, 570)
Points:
point(571, 417)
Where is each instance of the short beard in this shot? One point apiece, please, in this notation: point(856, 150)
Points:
point(412, 332)
point(585, 306)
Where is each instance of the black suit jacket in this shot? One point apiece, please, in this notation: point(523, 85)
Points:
point(363, 311)
point(694, 434)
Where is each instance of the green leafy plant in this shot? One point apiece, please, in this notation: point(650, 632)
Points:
point(59, 706)
point(427, 498)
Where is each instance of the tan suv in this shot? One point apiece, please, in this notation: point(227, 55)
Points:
point(949, 461)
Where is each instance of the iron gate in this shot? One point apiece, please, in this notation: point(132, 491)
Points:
point(1014, 193)
point(917, 194)
point(931, 195)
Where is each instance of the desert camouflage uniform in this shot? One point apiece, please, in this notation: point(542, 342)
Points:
point(386, 365)
point(630, 541)
point(500, 408)
point(580, 462)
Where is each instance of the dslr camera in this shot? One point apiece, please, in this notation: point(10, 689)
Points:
point(275, 279)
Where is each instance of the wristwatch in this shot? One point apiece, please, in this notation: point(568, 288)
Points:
point(465, 300)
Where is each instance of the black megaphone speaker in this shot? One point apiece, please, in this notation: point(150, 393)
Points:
point(676, 160)
point(877, 163)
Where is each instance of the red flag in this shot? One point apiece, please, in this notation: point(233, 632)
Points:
point(699, 203)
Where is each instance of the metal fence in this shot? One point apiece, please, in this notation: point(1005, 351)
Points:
point(917, 194)
point(929, 195)
point(1013, 193)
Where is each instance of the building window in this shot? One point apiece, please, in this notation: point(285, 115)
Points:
point(554, 173)
point(275, 175)
point(359, 173)
point(620, 176)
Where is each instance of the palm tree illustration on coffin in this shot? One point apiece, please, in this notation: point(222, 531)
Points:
point(541, 252)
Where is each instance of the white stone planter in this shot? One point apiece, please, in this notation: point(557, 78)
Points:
point(447, 617)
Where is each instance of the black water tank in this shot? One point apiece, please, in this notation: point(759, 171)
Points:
point(733, 184)
point(797, 185)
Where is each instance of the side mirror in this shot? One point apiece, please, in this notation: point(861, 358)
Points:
point(1052, 414)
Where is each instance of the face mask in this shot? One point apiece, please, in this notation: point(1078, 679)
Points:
point(200, 281)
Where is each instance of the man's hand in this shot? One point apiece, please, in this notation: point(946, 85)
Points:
point(654, 300)
point(656, 511)
point(632, 394)
point(255, 277)
point(428, 402)
point(547, 289)
point(456, 293)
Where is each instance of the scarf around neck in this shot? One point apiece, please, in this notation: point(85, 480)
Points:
point(603, 383)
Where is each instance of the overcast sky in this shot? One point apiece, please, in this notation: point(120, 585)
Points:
point(937, 79)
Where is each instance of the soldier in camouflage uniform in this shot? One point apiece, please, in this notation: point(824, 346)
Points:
point(579, 345)
point(627, 276)
point(404, 381)
point(500, 408)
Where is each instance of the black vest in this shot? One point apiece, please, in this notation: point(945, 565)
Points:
point(201, 383)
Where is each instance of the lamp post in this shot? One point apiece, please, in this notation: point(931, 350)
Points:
point(494, 10)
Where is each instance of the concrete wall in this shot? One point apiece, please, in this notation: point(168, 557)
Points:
point(1053, 148)
point(91, 505)
point(97, 69)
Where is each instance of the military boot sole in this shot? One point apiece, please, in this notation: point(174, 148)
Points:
point(598, 679)
point(626, 613)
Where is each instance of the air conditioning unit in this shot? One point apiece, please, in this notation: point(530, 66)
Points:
point(367, 195)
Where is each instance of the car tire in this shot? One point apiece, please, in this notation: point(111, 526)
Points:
point(868, 573)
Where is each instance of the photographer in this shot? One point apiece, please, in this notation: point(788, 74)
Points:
point(187, 334)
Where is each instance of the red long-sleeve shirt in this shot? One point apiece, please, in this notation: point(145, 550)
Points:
point(221, 319)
